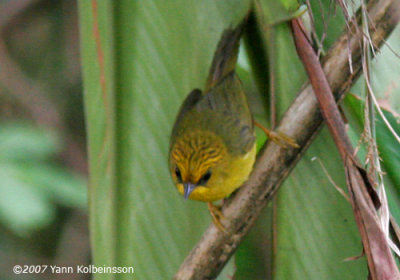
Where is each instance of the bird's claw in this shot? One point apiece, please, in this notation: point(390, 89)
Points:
point(217, 216)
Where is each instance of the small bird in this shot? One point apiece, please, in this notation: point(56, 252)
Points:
point(212, 145)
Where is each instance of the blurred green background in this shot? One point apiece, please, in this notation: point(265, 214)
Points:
point(43, 168)
point(154, 53)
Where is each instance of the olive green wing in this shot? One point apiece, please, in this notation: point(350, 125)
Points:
point(227, 107)
point(191, 100)
point(227, 97)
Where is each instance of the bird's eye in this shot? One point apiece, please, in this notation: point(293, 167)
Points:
point(178, 174)
point(205, 178)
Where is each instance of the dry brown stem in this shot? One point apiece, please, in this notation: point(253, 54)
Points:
point(362, 196)
point(301, 122)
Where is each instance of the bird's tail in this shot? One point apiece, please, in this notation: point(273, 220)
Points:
point(225, 57)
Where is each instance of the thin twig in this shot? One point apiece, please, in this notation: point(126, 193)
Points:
point(339, 189)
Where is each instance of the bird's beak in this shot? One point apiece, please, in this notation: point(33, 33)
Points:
point(188, 189)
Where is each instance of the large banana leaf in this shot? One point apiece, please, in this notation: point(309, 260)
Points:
point(140, 59)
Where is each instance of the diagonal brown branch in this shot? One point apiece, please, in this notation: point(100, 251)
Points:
point(301, 122)
point(376, 247)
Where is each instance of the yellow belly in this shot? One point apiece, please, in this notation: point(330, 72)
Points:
point(226, 178)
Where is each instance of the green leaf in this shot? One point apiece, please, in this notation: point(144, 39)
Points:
point(23, 141)
point(157, 53)
point(139, 63)
point(58, 185)
point(31, 188)
point(313, 225)
point(384, 77)
point(99, 116)
point(278, 11)
point(385, 74)
point(329, 21)
point(22, 208)
point(387, 145)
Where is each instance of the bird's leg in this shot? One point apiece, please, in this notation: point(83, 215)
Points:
point(278, 137)
point(216, 215)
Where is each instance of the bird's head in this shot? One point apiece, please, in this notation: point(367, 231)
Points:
point(195, 162)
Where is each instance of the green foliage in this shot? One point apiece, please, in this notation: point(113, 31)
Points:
point(314, 226)
point(154, 54)
point(384, 77)
point(32, 185)
point(24, 142)
point(152, 61)
point(387, 147)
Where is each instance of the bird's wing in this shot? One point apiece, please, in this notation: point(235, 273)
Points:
point(191, 100)
point(229, 112)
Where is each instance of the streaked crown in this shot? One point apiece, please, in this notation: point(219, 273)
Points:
point(194, 154)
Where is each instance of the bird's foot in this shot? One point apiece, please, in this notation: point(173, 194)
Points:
point(216, 215)
point(278, 137)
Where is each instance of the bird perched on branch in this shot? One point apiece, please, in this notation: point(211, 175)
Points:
point(212, 145)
